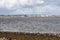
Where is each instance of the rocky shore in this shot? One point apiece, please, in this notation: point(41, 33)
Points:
point(28, 36)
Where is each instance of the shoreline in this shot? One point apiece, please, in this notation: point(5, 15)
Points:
point(28, 36)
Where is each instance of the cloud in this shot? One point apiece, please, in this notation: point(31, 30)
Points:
point(10, 3)
point(39, 1)
point(47, 9)
point(1, 3)
point(23, 11)
point(29, 7)
point(13, 3)
point(53, 2)
point(7, 3)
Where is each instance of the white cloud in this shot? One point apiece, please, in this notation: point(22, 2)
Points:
point(23, 11)
point(2, 3)
point(30, 2)
point(47, 8)
point(7, 3)
point(23, 2)
point(12, 3)
point(32, 6)
point(39, 1)
point(39, 9)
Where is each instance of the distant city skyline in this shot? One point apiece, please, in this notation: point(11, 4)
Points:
point(16, 7)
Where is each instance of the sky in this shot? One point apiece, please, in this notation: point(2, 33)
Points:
point(16, 7)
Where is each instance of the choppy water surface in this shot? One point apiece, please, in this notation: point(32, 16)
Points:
point(25, 24)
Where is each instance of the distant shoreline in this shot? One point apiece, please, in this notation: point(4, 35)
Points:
point(42, 16)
